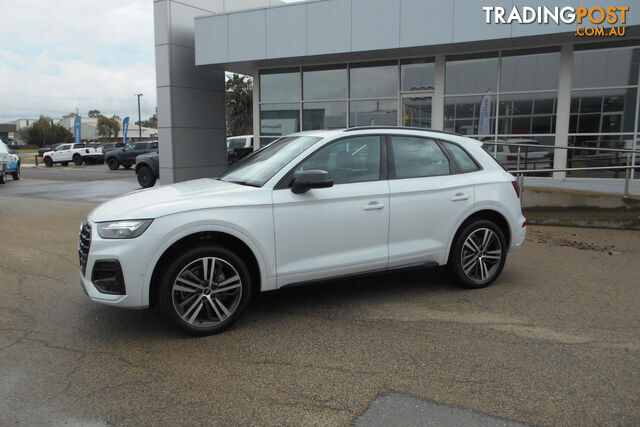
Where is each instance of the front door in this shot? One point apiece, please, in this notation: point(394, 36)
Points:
point(416, 110)
point(340, 230)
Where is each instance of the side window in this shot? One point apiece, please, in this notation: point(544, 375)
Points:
point(141, 146)
point(78, 145)
point(465, 162)
point(348, 160)
point(415, 157)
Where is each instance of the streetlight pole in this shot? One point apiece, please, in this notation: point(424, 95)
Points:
point(139, 117)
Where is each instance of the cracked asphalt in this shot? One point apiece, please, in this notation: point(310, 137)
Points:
point(555, 341)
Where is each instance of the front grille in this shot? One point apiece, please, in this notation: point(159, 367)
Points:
point(83, 245)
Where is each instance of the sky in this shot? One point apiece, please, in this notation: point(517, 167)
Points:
point(56, 56)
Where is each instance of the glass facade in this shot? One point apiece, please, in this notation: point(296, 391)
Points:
point(603, 106)
point(502, 96)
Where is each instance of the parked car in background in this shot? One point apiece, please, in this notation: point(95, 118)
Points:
point(110, 146)
point(238, 147)
point(126, 157)
point(539, 157)
point(76, 153)
point(9, 163)
point(147, 169)
point(329, 203)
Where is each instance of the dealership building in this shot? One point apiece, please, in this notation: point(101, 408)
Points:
point(446, 65)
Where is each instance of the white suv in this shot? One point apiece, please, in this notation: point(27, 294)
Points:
point(310, 206)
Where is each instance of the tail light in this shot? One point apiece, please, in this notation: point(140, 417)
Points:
point(516, 187)
point(87, 151)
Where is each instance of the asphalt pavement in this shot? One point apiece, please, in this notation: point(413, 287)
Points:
point(553, 342)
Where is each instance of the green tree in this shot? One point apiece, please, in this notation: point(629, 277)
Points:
point(108, 127)
point(151, 122)
point(94, 113)
point(43, 132)
point(239, 90)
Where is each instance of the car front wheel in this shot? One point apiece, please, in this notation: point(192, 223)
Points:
point(205, 290)
point(48, 162)
point(478, 254)
point(145, 177)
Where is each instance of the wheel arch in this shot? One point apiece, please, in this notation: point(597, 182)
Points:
point(490, 213)
point(223, 238)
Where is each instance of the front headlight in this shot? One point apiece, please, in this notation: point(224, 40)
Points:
point(129, 229)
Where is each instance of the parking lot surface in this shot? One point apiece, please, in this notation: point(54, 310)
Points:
point(554, 341)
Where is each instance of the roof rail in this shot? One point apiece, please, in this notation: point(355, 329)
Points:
point(351, 129)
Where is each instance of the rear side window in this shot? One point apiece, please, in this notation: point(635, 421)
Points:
point(465, 162)
point(141, 146)
point(78, 145)
point(418, 157)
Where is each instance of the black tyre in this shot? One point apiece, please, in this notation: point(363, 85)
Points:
point(48, 162)
point(113, 164)
point(478, 254)
point(3, 176)
point(146, 178)
point(205, 290)
point(64, 163)
point(126, 166)
point(16, 173)
point(77, 159)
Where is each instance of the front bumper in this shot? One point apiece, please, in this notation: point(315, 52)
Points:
point(132, 256)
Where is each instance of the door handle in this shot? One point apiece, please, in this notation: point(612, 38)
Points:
point(373, 206)
point(459, 197)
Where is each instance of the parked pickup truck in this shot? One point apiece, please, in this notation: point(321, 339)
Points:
point(76, 153)
point(147, 169)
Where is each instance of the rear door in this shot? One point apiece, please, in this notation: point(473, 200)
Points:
point(428, 195)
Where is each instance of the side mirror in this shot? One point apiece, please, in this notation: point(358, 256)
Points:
point(307, 180)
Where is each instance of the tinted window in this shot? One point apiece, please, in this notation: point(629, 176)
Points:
point(418, 157)
point(323, 83)
point(279, 87)
point(78, 145)
point(142, 146)
point(348, 160)
point(465, 162)
point(236, 143)
point(385, 78)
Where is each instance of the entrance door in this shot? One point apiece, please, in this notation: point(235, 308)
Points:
point(416, 111)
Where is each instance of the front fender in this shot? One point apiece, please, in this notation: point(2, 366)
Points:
point(265, 264)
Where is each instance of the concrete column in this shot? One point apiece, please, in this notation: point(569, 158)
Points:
point(564, 110)
point(437, 113)
point(191, 100)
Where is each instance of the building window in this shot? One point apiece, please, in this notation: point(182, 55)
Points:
point(324, 115)
point(471, 76)
point(374, 80)
point(280, 85)
point(324, 83)
point(529, 72)
point(279, 119)
point(417, 75)
point(374, 112)
point(603, 106)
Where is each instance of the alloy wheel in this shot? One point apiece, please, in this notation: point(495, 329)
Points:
point(206, 292)
point(481, 254)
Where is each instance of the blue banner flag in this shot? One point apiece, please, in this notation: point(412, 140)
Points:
point(77, 129)
point(125, 128)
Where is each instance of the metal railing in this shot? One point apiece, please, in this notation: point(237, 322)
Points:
point(631, 161)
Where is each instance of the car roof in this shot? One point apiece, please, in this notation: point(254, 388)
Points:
point(429, 133)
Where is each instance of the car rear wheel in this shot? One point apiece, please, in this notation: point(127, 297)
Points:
point(16, 174)
point(145, 177)
point(113, 164)
point(77, 159)
point(48, 162)
point(205, 290)
point(478, 254)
